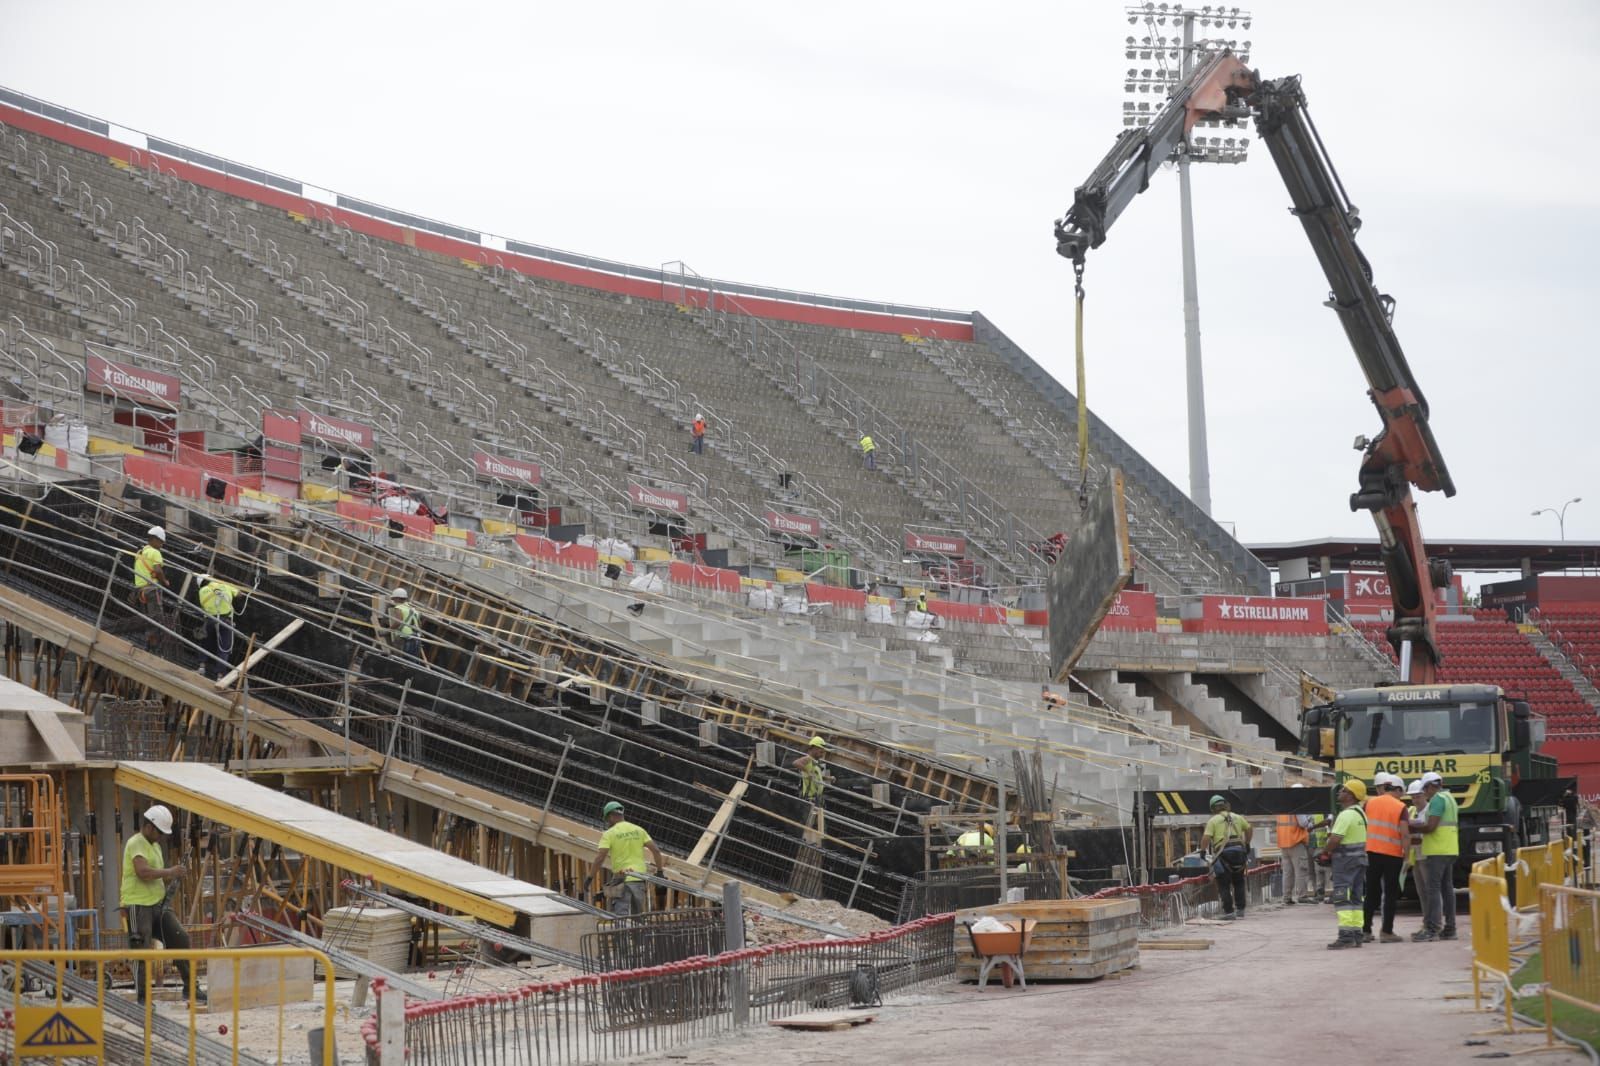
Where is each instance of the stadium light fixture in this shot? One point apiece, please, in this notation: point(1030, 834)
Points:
point(1174, 52)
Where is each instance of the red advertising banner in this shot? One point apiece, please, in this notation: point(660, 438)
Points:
point(280, 447)
point(658, 499)
point(499, 468)
point(337, 431)
point(130, 382)
point(938, 545)
point(1132, 610)
point(280, 428)
point(1368, 592)
point(1260, 614)
point(716, 578)
point(779, 522)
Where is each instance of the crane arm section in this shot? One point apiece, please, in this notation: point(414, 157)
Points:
point(1404, 454)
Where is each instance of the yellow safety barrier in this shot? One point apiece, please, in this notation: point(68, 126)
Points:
point(1544, 864)
point(1491, 930)
point(60, 1025)
point(1569, 925)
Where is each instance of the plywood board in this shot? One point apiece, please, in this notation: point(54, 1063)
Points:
point(1083, 583)
point(720, 819)
point(824, 1020)
point(258, 982)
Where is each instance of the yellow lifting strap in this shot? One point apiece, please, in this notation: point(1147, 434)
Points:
point(1083, 401)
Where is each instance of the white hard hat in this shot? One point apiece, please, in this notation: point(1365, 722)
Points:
point(401, 594)
point(699, 417)
point(159, 817)
point(204, 579)
point(1383, 779)
point(156, 532)
point(1415, 788)
point(1298, 784)
point(1432, 778)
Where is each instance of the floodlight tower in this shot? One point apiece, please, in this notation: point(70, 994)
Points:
point(1169, 42)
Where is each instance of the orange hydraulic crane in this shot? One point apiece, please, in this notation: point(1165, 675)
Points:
point(1404, 454)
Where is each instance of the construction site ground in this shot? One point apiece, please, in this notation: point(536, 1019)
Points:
point(1266, 992)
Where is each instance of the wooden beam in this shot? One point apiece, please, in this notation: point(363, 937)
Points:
point(232, 676)
point(62, 747)
point(718, 821)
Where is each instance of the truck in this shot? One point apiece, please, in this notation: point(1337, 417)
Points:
point(1481, 743)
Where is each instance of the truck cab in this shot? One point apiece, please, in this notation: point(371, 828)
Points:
point(1483, 745)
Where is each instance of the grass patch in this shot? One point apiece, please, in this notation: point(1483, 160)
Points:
point(1576, 1022)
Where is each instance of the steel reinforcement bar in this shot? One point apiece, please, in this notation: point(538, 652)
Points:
point(603, 1017)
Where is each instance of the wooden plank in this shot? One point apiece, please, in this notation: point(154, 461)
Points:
point(260, 653)
point(1175, 945)
point(824, 1020)
point(718, 820)
point(62, 747)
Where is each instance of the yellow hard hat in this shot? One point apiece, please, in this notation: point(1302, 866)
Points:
point(818, 742)
point(1357, 788)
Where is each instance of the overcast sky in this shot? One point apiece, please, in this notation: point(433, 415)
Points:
point(919, 153)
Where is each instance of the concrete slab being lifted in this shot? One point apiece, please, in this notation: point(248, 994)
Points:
point(350, 845)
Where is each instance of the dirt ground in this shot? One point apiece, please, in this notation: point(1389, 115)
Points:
point(1266, 992)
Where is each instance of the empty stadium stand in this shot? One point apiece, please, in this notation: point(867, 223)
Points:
point(1484, 646)
point(435, 345)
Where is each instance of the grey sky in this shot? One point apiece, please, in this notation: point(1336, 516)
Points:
point(919, 153)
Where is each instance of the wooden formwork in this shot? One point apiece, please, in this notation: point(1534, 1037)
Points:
point(1073, 940)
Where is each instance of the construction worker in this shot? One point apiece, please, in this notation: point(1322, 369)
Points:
point(1022, 849)
point(922, 601)
point(1226, 840)
point(623, 844)
point(869, 449)
point(1414, 804)
point(216, 602)
point(403, 624)
point(697, 443)
point(1294, 842)
point(1051, 700)
point(1346, 851)
point(146, 889)
point(813, 771)
point(149, 578)
point(975, 843)
point(1438, 821)
point(1387, 837)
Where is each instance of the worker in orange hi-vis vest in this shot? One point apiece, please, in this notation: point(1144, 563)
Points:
point(1387, 838)
point(1294, 843)
point(697, 443)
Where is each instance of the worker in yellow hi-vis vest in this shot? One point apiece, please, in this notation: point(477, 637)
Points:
point(216, 603)
point(869, 451)
point(149, 578)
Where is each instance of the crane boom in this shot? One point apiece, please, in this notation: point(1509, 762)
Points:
point(1404, 454)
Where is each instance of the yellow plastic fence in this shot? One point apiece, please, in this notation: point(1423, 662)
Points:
point(1545, 864)
point(1491, 932)
point(1569, 935)
point(58, 1024)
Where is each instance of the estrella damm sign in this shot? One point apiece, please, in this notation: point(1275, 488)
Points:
point(57, 1030)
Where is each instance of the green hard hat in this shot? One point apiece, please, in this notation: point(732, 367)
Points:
point(611, 808)
point(1215, 800)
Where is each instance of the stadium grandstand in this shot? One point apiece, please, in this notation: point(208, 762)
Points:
point(239, 341)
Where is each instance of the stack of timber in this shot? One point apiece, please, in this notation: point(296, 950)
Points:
point(1074, 940)
point(381, 935)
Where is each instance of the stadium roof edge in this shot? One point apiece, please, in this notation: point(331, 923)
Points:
point(686, 279)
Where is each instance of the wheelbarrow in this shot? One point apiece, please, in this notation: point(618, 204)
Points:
point(1002, 948)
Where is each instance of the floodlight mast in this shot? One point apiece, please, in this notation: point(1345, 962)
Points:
point(1404, 454)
